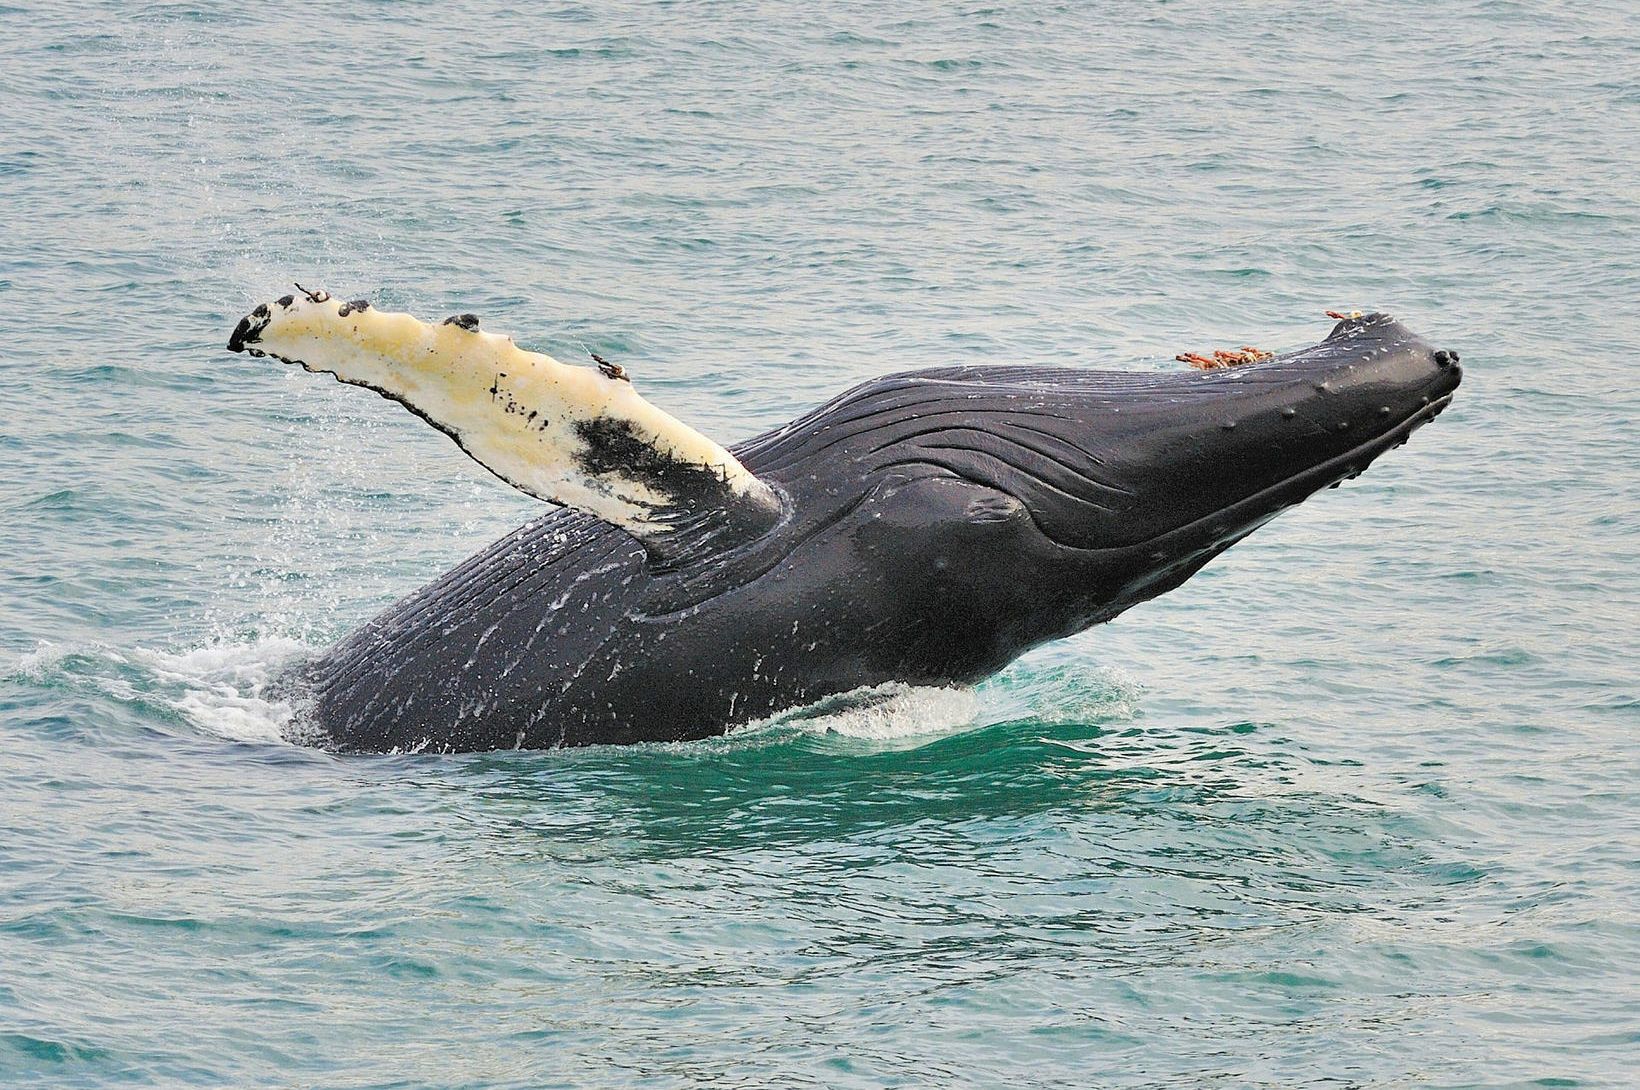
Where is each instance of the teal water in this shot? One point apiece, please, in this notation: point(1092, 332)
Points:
point(1356, 807)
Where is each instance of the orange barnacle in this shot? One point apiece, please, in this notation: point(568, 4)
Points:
point(1224, 357)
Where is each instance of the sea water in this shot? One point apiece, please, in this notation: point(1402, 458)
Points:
point(1356, 807)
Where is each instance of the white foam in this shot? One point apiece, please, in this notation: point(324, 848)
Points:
point(892, 714)
point(1058, 686)
point(220, 688)
point(39, 664)
point(903, 711)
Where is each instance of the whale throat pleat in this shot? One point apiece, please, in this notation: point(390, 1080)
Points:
point(579, 436)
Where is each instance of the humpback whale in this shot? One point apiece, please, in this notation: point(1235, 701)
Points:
point(925, 527)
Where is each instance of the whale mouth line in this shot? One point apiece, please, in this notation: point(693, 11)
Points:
point(1304, 483)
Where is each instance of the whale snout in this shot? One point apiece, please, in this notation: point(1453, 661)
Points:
point(1337, 406)
point(1239, 446)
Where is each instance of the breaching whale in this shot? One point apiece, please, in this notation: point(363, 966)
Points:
point(925, 527)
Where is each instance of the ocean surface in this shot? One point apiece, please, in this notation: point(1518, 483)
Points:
point(1358, 806)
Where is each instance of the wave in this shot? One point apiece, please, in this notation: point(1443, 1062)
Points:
point(221, 689)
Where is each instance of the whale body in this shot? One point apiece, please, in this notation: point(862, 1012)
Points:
point(926, 527)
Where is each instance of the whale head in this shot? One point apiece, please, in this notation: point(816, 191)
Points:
point(1000, 507)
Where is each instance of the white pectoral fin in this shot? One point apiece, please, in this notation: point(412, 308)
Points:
point(579, 436)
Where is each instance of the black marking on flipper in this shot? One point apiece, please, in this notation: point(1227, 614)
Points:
point(613, 446)
point(701, 511)
point(250, 327)
point(469, 322)
point(318, 295)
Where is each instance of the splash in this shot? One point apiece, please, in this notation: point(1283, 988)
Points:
point(221, 689)
point(894, 714)
point(897, 715)
point(1059, 693)
point(224, 690)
